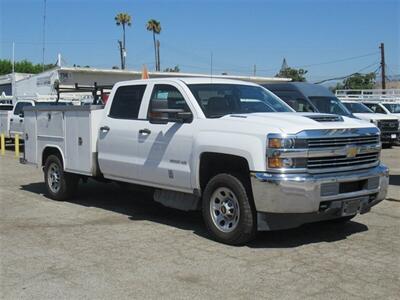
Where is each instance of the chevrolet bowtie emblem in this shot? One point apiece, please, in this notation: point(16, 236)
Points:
point(351, 152)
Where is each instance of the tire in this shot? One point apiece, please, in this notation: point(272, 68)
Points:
point(232, 219)
point(60, 185)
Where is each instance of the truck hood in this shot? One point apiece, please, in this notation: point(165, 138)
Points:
point(374, 116)
point(292, 122)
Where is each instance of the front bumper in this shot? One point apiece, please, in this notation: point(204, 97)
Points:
point(315, 196)
point(390, 136)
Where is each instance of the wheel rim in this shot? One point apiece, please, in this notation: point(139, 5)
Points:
point(54, 177)
point(224, 209)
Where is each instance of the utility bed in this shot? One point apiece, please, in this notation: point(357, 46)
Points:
point(71, 129)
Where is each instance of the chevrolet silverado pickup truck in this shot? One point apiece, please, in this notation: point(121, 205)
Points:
point(388, 124)
point(229, 148)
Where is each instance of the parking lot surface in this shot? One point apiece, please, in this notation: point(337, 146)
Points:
point(109, 243)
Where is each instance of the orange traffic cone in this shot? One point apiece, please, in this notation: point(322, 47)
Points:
point(145, 73)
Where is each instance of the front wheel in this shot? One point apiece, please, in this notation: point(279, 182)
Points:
point(60, 185)
point(227, 210)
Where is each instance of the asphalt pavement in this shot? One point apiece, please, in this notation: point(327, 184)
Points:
point(109, 243)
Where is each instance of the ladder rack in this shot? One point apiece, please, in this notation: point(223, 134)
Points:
point(378, 95)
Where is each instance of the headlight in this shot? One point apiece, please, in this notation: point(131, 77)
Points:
point(277, 162)
point(281, 143)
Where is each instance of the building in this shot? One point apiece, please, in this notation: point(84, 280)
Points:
point(44, 84)
point(7, 83)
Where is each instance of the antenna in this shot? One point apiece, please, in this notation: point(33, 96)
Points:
point(44, 33)
point(211, 65)
point(13, 57)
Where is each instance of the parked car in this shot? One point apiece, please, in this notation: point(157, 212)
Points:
point(308, 97)
point(229, 148)
point(388, 124)
point(303, 96)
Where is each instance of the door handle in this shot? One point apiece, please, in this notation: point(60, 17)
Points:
point(11, 120)
point(105, 128)
point(21, 120)
point(145, 131)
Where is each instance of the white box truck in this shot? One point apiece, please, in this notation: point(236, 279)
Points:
point(228, 148)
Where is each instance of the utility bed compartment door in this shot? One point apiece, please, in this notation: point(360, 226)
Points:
point(30, 141)
point(78, 144)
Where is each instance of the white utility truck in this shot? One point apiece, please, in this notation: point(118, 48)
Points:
point(228, 148)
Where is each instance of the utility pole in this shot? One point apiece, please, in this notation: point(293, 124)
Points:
point(158, 67)
point(121, 54)
point(382, 47)
point(13, 74)
point(44, 33)
point(254, 70)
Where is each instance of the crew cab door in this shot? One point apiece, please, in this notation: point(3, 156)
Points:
point(165, 143)
point(119, 131)
point(17, 119)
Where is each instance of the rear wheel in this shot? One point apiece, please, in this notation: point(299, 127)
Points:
point(227, 210)
point(60, 185)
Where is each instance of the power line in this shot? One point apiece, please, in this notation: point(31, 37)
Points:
point(357, 72)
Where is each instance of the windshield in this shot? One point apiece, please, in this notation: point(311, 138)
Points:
point(330, 105)
point(217, 100)
point(394, 108)
point(299, 105)
point(358, 108)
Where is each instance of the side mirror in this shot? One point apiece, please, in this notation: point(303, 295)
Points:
point(21, 114)
point(185, 116)
point(165, 115)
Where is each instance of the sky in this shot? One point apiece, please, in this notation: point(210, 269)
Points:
point(327, 38)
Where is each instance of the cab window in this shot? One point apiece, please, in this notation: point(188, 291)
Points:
point(20, 106)
point(126, 102)
point(166, 96)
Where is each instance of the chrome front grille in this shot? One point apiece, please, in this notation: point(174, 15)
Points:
point(388, 125)
point(327, 150)
point(342, 161)
point(342, 141)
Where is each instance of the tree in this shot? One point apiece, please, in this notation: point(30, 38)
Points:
point(358, 81)
point(175, 69)
point(155, 27)
point(294, 74)
point(123, 19)
point(23, 66)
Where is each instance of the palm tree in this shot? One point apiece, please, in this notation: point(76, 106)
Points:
point(123, 19)
point(155, 27)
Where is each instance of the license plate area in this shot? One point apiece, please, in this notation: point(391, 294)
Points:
point(353, 206)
